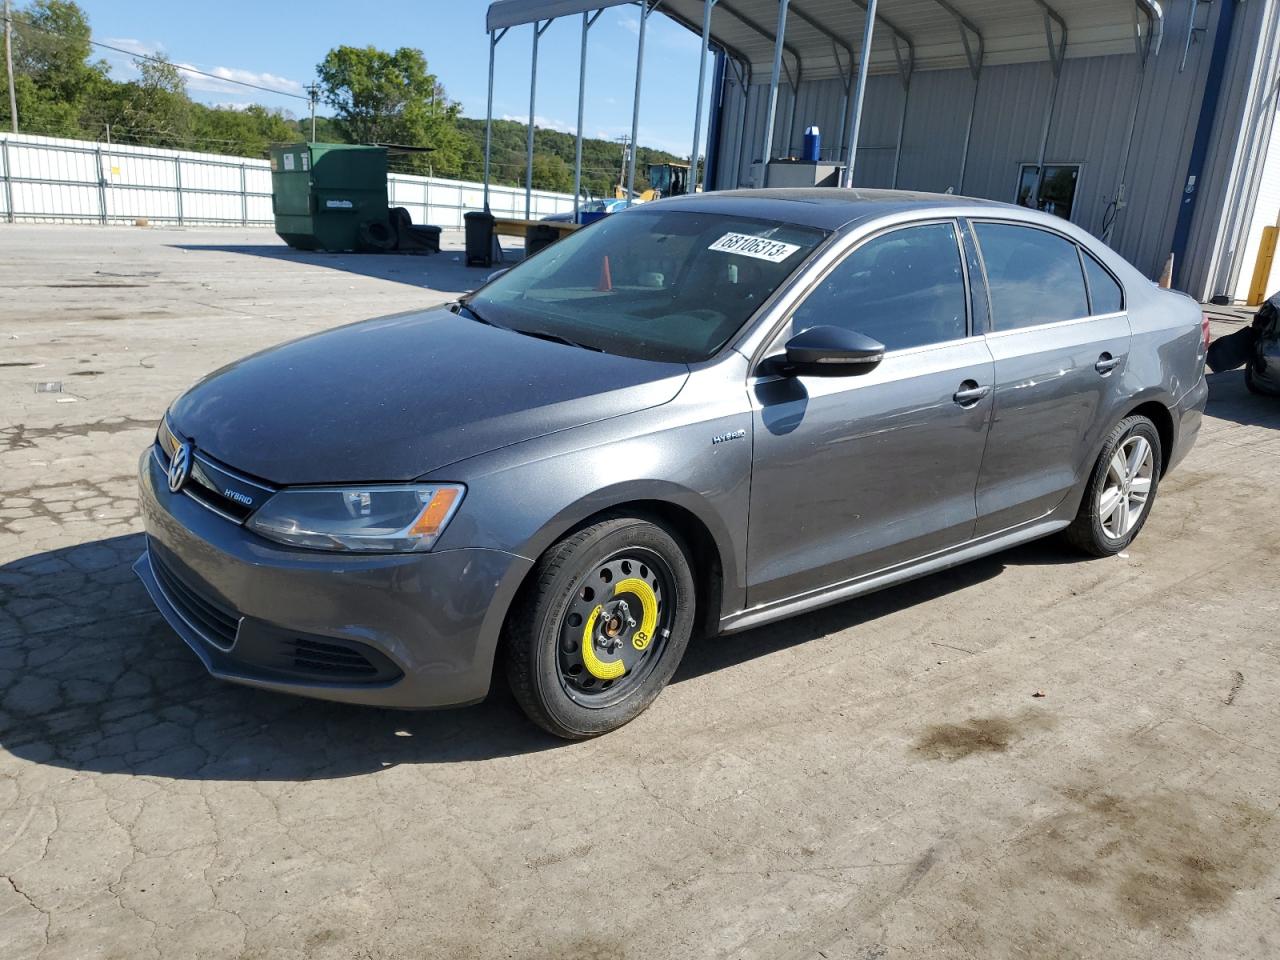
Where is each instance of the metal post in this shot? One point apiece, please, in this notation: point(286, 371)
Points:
point(587, 21)
point(8, 178)
point(102, 186)
point(968, 127)
point(905, 68)
point(795, 106)
point(177, 178)
point(8, 63)
point(488, 117)
point(533, 96)
point(1056, 57)
point(855, 123)
point(313, 92)
point(244, 198)
point(707, 6)
point(635, 105)
point(772, 111)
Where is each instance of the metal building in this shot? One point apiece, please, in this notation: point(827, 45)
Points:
point(1144, 122)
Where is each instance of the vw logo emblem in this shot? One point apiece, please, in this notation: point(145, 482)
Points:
point(179, 467)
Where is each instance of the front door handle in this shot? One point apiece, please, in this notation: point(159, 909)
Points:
point(1106, 363)
point(970, 393)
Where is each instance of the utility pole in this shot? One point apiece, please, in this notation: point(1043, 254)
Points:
point(622, 170)
point(313, 93)
point(8, 63)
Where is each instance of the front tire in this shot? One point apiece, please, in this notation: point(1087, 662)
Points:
point(601, 627)
point(1121, 489)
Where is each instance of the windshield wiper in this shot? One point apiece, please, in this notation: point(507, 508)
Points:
point(463, 305)
point(556, 338)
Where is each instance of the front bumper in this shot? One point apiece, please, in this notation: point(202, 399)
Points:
point(397, 630)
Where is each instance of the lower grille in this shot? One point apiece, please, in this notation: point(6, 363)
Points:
point(206, 616)
point(313, 656)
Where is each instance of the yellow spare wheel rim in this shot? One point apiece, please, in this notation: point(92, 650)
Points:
point(614, 624)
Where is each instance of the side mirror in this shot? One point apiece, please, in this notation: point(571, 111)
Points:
point(830, 352)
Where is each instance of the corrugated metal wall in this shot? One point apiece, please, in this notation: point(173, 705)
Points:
point(48, 179)
point(1089, 126)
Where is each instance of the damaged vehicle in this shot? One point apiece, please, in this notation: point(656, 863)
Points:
point(1256, 348)
point(703, 414)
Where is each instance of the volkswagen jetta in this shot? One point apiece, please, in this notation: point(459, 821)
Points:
point(700, 415)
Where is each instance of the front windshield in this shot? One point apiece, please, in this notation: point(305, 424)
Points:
point(659, 285)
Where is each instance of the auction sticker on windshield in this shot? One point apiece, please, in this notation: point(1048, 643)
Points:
point(760, 248)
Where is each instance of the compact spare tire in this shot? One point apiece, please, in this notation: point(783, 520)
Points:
point(600, 627)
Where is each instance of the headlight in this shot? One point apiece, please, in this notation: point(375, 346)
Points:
point(374, 519)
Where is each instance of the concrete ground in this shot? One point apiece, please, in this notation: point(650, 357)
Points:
point(876, 780)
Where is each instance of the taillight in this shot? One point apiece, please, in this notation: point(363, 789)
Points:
point(1204, 329)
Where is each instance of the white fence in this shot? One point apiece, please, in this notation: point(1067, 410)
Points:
point(77, 181)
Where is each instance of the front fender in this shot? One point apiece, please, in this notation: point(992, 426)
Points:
point(525, 497)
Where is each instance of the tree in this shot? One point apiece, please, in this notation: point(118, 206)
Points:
point(53, 81)
point(157, 103)
point(381, 97)
point(552, 173)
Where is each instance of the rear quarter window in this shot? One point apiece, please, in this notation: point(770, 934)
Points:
point(1105, 295)
point(1033, 276)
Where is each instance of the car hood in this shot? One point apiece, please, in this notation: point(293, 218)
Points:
point(395, 398)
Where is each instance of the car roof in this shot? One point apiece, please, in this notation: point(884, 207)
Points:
point(829, 208)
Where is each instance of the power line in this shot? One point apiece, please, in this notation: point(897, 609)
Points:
point(161, 60)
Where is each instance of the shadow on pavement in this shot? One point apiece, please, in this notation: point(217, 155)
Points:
point(445, 271)
point(91, 678)
point(1230, 399)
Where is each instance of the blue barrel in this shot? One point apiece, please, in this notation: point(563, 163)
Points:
point(812, 145)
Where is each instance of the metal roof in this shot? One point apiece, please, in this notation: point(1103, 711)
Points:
point(823, 35)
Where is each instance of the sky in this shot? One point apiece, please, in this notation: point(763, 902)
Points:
point(278, 45)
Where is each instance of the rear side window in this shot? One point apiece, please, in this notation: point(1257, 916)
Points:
point(1105, 294)
point(1034, 276)
point(905, 289)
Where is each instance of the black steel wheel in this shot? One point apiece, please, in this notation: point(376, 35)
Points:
point(601, 627)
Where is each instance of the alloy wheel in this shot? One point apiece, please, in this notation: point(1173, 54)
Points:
point(1127, 488)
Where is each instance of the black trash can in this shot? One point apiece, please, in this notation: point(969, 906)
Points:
point(539, 236)
point(479, 230)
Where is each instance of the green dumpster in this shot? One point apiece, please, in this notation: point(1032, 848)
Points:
point(329, 196)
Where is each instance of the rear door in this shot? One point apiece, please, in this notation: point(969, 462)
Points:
point(1059, 360)
point(854, 474)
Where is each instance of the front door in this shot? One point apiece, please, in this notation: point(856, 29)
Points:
point(855, 474)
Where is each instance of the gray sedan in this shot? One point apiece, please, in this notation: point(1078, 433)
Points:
point(697, 416)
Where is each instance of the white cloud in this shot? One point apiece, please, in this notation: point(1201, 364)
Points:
point(218, 83)
point(197, 81)
point(546, 123)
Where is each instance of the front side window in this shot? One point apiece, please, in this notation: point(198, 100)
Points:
point(1033, 276)
point(904, 289)
point(655, 284)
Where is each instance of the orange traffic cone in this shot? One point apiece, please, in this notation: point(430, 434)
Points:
point(606, 279)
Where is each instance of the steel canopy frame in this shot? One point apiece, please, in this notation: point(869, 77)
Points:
point(588, 20)
point(538, 31)
point(787, 59)
point(855, 121)
point(1057, 54)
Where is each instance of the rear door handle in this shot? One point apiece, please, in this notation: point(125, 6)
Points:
point(970, 393)
point(1106, 363)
